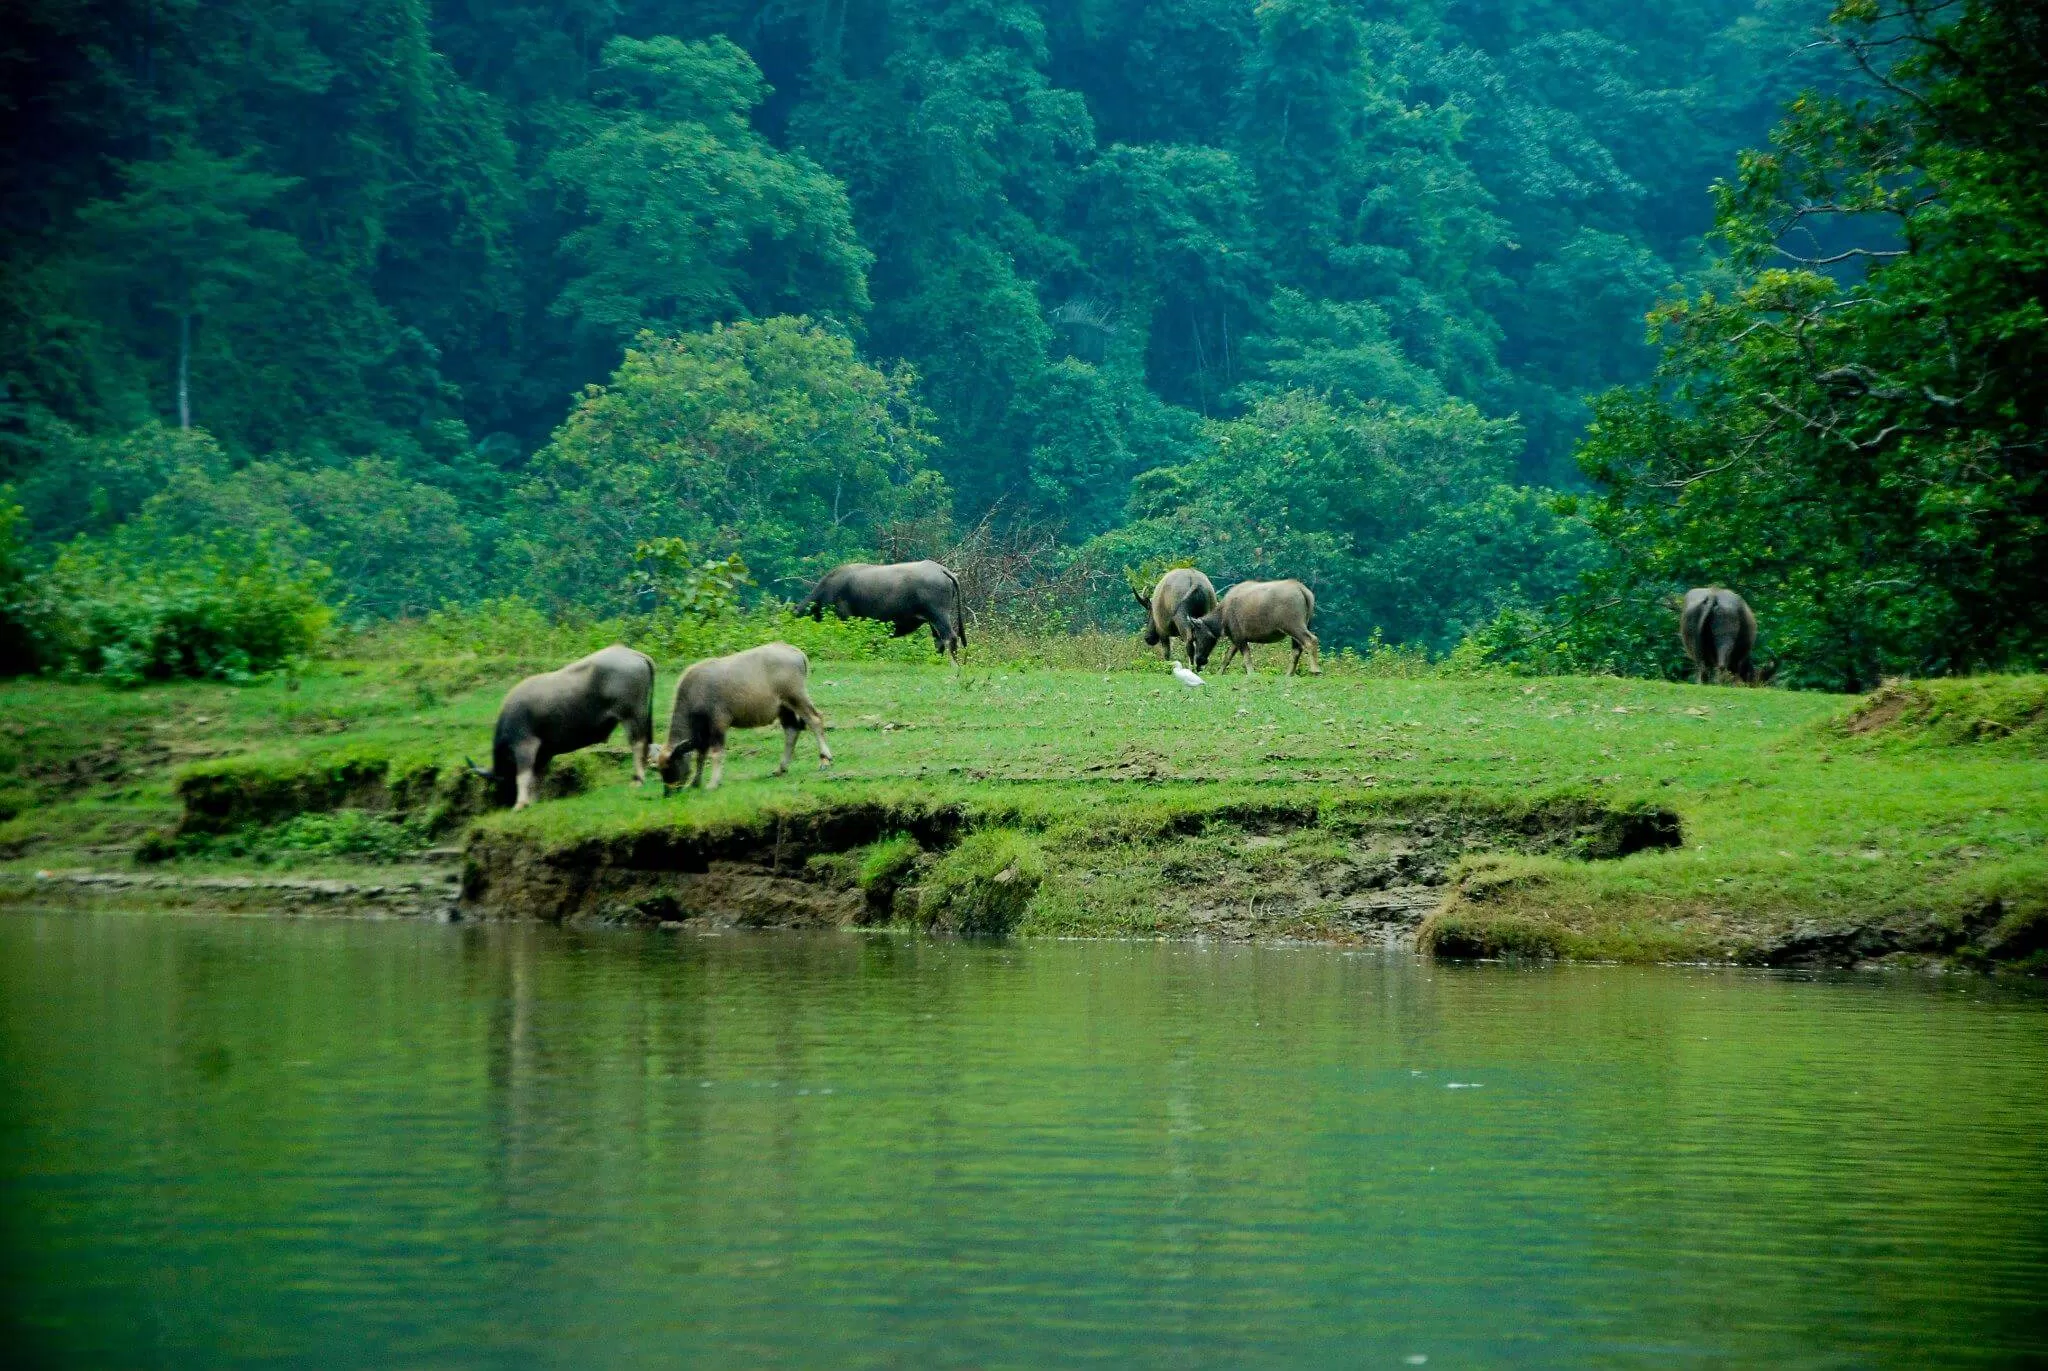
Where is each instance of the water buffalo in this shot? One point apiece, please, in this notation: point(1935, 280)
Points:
point(750, 689)
point(1182, 596)
point(903, 594)
point(560, 711)
point(1719, 633)
point(1259, 612)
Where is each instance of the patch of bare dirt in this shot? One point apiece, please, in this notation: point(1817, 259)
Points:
point(1880, 711)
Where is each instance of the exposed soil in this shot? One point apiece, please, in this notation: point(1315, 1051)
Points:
point(1880, 711)
point(1232, 873)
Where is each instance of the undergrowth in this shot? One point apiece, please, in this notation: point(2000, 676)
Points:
point(302, 840)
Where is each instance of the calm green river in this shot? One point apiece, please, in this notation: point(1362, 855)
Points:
point(339, 1144)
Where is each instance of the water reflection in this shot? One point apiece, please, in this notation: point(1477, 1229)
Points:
point(360, 1144)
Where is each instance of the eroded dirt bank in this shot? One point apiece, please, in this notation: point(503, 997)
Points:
point(1342, 873)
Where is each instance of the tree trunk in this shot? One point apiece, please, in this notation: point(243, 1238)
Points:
point(185, 371)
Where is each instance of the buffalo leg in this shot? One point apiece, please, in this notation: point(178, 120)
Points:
point(526, 755)
point(717, 760)
point(1246, 649)
point(816, 721)
point(1306, 643)
point(640, 761)
point(792, 728)
point(1229, 651)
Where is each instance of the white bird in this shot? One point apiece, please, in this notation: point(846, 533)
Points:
point(1186, 677)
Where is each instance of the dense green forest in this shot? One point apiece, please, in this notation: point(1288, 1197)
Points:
point(391, 304)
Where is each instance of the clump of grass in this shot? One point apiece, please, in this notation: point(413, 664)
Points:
point(982, 887)
point(349, 833)
point(882, 868)
point(886, 864)
point(1456, 934)
point(305, 838)
point(2021, 938)
point(1957, 712)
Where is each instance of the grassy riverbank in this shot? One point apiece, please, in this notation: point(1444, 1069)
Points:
point(1480, 815)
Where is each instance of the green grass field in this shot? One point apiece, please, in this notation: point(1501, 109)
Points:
point(1254, 806)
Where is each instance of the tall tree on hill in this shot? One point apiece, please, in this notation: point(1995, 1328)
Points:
point(187, 238)
point(686, 215)
point(1856, 432)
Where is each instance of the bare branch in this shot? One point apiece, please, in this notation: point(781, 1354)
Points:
point(1842, 256)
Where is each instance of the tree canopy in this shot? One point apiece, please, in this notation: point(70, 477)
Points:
point(1328, 288)
point(1853, 420)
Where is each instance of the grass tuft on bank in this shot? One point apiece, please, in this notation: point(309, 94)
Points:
point(2004, 712)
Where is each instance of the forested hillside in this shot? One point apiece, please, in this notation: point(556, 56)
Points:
point(1308, 287)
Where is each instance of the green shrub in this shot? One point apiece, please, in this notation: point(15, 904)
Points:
point(355, 833)
point(349, 833)
point(514, 629)
point(982, 887)
point(17, 644)
point(135, 607)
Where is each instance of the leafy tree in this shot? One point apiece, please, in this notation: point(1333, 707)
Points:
point(671, 576)
point(1171, 233)
point(1078, 459)
point(688, 215)
point(960, 155)
point(143, 605)
point(408, 233)
point(767, 439)
point(186, 238)
point(1854, 433)
point(93, 482)
point(1400, 521)
point(386, 546)
point(1340, 349)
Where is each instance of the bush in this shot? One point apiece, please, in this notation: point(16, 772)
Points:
point(301, 839)
point(17, 644)
point(514, 629)
point(769, 438)
point(137, 607)
point(982, 887)
point(350, 833)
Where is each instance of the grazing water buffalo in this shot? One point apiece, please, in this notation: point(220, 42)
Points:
point(903, 594)
point(1719, 633)
point(1260, 612)
point(1182, 596)
point(750, 689)
point(560, 711)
